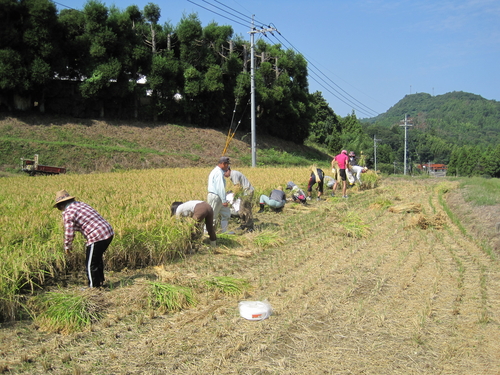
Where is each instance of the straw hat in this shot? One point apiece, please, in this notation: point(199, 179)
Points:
point(62, 196)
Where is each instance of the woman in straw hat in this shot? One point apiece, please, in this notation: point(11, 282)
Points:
point(98, 233)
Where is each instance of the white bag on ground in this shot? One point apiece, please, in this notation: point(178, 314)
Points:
point(255, 310)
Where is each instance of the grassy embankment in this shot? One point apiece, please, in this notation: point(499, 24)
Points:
point(91, 146)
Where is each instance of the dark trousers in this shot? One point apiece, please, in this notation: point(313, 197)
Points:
point(94, 264)
point(203, 211)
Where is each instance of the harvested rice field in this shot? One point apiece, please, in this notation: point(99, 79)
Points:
point(392, 280)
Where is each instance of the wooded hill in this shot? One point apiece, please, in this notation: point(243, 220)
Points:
point(445, 128)
point(457, 117)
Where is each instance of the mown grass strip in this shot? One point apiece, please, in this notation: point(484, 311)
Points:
point(455, 220)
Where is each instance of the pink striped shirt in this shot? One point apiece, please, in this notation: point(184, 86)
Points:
point(80, 217)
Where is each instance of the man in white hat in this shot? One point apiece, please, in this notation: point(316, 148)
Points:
point(98, 233)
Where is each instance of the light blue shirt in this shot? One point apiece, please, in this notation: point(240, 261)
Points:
point(217, 183)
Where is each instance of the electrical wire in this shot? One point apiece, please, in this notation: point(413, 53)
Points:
point(321, 78)
point(367, 110)
point(210, 10)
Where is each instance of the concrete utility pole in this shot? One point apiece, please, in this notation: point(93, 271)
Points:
point(252, 86)
point(375, 140)
point(406, 123)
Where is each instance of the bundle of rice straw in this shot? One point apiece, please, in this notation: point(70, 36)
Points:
point(406, 208)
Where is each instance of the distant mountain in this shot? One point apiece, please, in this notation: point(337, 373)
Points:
point(457, 117)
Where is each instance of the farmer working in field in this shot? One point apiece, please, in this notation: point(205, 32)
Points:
point(200, 211)
point(275, 200)
point(342, 160)
point(98, 233)
point(217, 193)
point(355, 169)
point(330, 181)
point(243, 190)
point(297, 193)
point(317, 176)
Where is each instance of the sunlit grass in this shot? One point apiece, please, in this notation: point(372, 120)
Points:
point(266, 239)
point(65, 312)
point(168, 297)
point(228, 285)
point(481, 191)
point(137, 205)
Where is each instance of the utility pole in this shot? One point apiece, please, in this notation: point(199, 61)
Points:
point(406, 123)
point(375, 140)
point(252, 32)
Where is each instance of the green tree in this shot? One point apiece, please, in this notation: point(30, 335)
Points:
point(29, 48)
point(492, 162)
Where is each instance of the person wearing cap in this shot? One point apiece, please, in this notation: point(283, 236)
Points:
point(275, 200)
point(98, 234)
point(217, 193)
point(241, 184)
point(342, 161)
point(317, 176)
point(200, 211)
point(355, 169)
point(298, 194)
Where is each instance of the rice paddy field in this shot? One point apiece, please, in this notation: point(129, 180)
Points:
point(392, 280)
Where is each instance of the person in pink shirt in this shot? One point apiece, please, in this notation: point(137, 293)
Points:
point(343, 162)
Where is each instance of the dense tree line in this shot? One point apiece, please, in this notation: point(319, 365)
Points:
point(89, 63)
point(194, 74)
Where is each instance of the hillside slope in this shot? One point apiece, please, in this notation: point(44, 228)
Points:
point(85, 146)
point(457, 117)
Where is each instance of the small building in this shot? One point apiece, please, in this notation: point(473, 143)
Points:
point(434, 169)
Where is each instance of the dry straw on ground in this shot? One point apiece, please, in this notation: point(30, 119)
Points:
point(398, 301)
point(406, 208)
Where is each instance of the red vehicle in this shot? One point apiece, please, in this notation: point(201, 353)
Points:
point(33, 168)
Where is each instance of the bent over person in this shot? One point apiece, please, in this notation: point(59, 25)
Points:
point(200, 211)
point(317, 176)
point(244, 190)
point(98, 234)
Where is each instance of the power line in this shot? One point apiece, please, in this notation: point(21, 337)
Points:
point(210, 10)
point(370, 111)
point(323, 80)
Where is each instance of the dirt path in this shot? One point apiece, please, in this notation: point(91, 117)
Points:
point(375, 293)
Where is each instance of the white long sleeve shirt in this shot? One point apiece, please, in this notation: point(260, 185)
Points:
point(217, 183)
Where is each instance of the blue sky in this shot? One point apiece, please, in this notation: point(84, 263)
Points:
point(366, 55)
